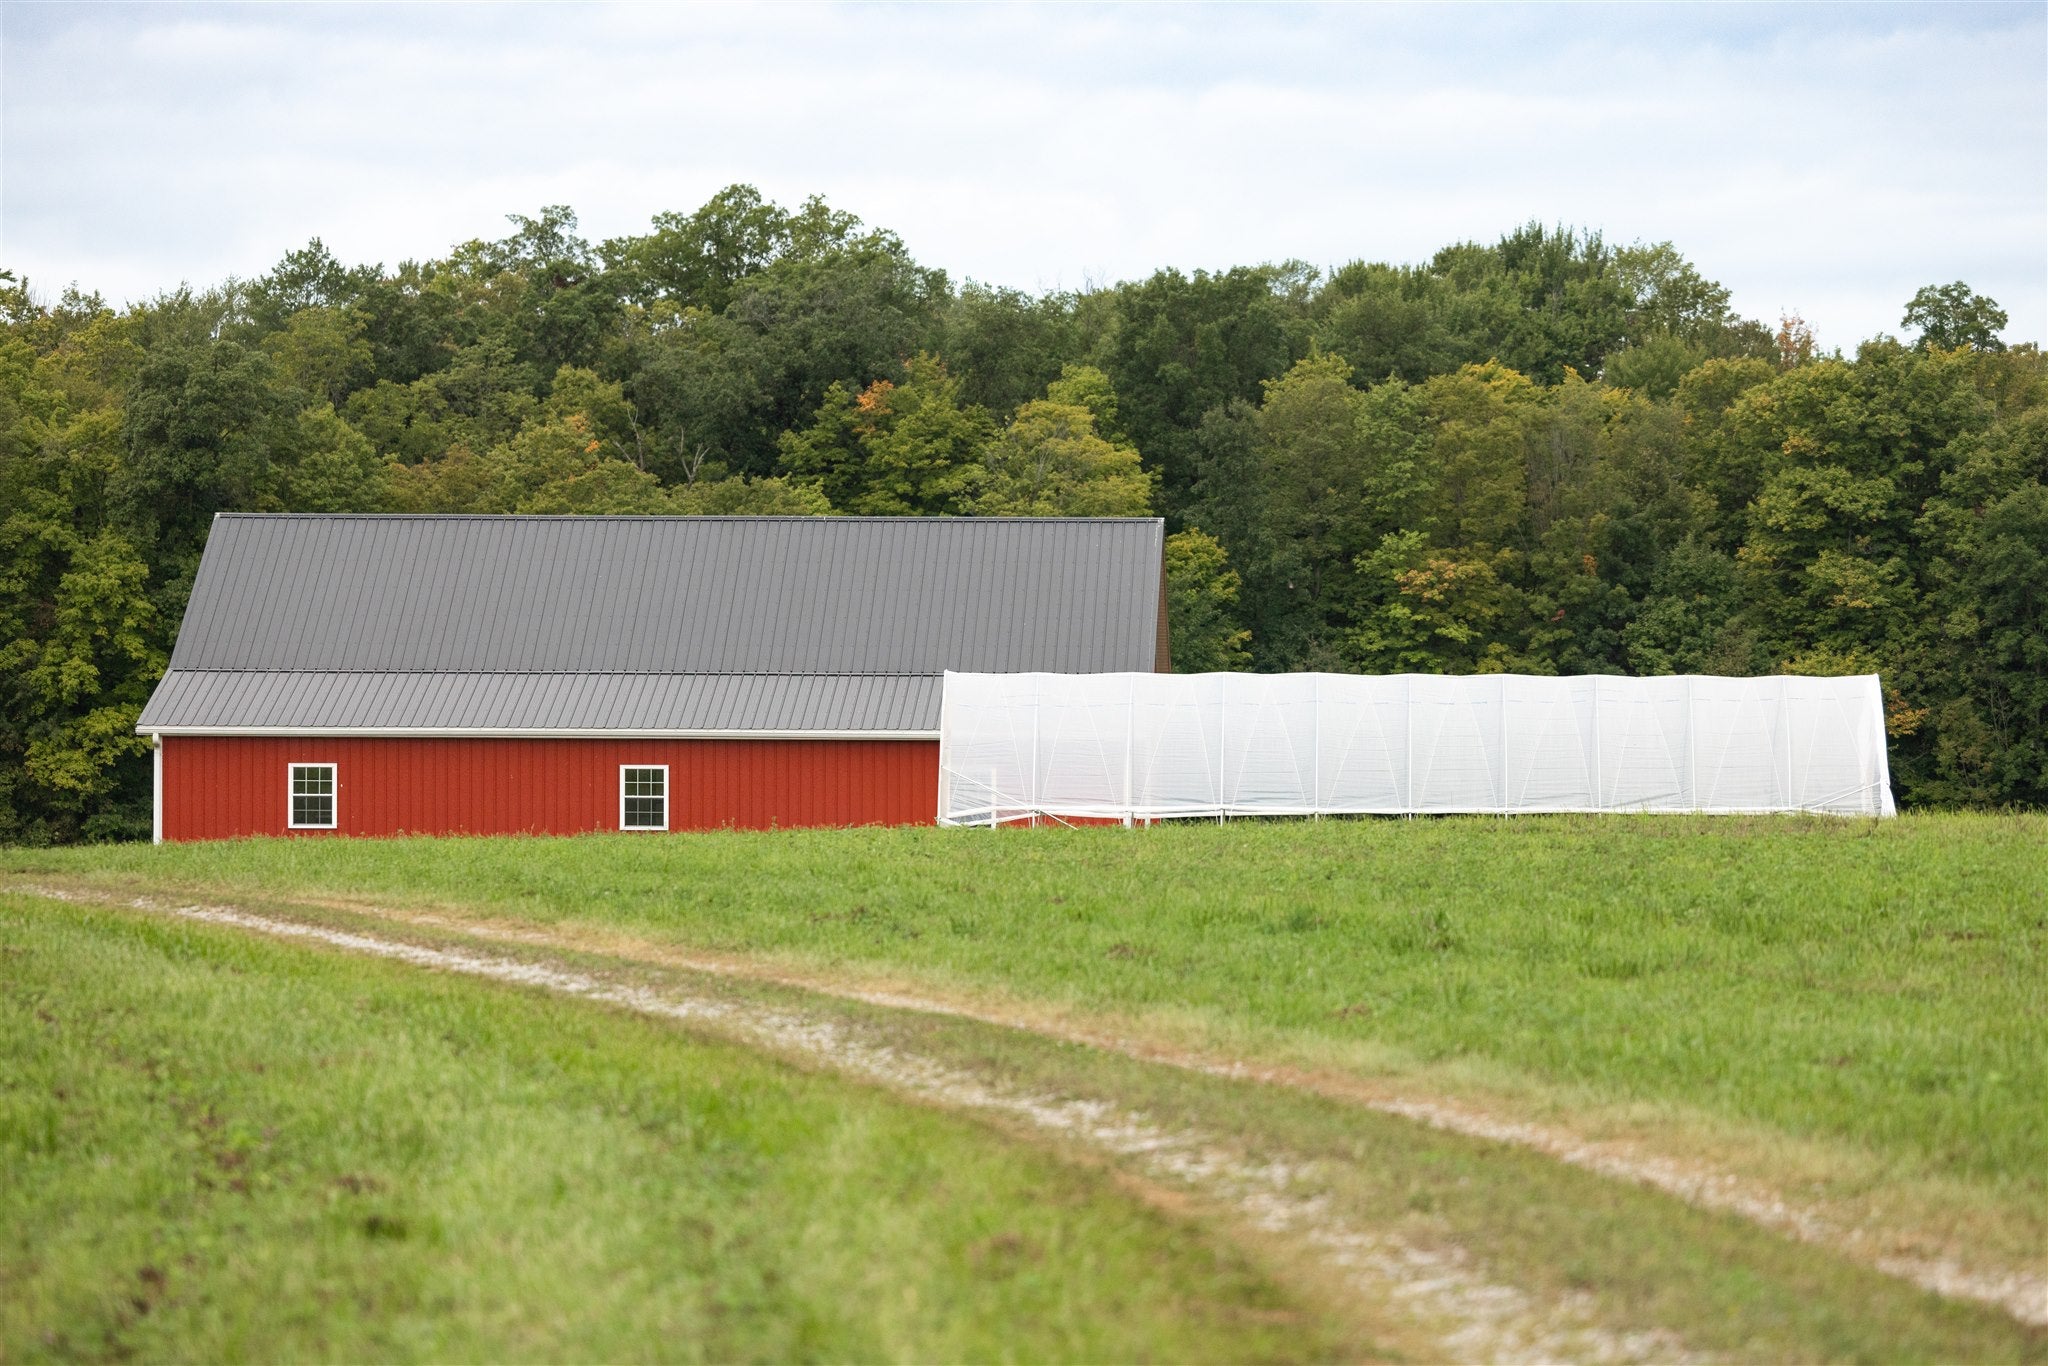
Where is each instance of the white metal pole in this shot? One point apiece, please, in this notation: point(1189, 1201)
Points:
point(1500, 716)
point(1316, 769)
point(1130, 732)
point(1037, 709)
point(1785, 733)
point(1692, 749)
point(1599, 787)
point(1408, 734)
point(1222, 756)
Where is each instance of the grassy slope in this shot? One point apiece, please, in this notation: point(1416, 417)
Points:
point(1875, 985)
point(212, 1147)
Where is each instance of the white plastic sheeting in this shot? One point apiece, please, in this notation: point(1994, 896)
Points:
point(1140, 747)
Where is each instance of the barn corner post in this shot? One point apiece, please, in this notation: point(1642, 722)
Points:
point(156, 783)
point(945, 784)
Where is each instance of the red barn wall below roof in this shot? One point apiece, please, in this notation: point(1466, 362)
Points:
point(223, 787)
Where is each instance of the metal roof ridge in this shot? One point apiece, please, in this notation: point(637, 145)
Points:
point(600, 519)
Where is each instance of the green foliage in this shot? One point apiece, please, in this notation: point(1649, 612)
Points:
point(1953, 315)
point(322, 352)
point(1008, 345)
point(1177, 346)
point(699, 259)
point(1685, 626)
point(77, 691)
point(1201, 602)
point(1546, 453)
point(740, 496)
point(1054, 460)
point(1333, 468)
point(82, 634)
point(335, 469)
point(1433, 611)
point(1989, 605)
point(1541, 301)
point(201, 424)
point(1656, 367)
point(222, 1148)
point(893, 450)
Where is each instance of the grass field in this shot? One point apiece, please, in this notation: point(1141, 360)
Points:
point(219, 1148)
point(1850, 1013)
point(1874, 983)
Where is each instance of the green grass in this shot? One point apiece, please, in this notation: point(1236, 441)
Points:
point(1639, 1259)
point(213, 1146)
point(1874, 985)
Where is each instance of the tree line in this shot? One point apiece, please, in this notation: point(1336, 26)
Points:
point(1547, 454)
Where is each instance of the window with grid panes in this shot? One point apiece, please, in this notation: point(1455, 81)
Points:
point(643, 797)
point(312, 794)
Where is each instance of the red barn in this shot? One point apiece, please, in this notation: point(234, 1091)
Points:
point(491, 675)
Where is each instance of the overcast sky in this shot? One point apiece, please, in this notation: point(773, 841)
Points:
point(1828, 159)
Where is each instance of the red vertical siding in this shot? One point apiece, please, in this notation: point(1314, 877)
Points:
point(221, 787)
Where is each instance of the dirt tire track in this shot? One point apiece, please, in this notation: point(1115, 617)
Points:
point(2020, 1293)
point(2023, 1294)
point(1440, 1288)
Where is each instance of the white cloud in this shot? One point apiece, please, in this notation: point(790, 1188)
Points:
point(1828, 159)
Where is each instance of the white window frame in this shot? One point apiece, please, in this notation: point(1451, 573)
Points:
point(291, 807)
point(643, 829)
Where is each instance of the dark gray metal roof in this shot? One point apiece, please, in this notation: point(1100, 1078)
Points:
point(674, 624)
